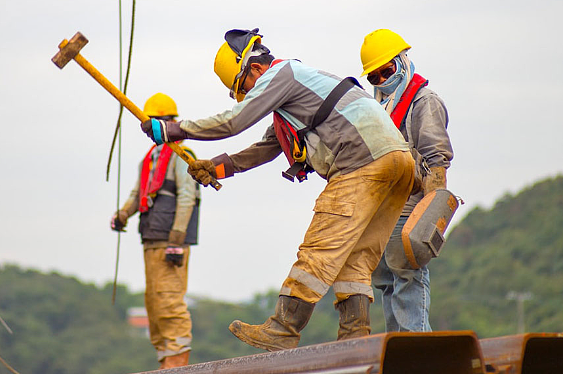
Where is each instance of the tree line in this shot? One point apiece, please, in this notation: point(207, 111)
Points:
point(61, 325)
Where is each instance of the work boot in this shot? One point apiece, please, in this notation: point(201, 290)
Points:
point(175, 361)
point(354, 317)
point(280, 331)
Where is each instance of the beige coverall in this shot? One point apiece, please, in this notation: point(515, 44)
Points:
point(170, 324)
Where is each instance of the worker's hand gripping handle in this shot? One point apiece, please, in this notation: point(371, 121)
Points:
point(71, 52)
point(176, 148)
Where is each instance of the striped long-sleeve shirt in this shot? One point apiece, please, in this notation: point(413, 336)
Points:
point(357, 132)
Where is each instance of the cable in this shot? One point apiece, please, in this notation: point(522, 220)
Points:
point(8, 366)
point(118, 125)
point(117, 133)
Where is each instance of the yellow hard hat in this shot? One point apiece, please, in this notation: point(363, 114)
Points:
point(232, 57)
point(380, 47)
point(160, 105)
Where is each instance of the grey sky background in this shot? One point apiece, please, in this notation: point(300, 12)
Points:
point(496, 64)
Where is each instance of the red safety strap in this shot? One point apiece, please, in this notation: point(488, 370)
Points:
point(146, 187)
point(402, 107)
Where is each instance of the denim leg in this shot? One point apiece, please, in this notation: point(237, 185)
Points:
point(406, 302)
point(382, 279)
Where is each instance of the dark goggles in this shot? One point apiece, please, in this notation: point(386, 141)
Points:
point(375, 77)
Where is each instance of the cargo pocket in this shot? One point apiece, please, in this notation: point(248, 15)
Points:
point(170, 279)
point(329, 226)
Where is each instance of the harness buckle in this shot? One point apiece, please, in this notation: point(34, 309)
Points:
point(297, 170)
point(150, 201)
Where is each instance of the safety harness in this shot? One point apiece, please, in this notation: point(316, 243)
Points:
point(293, 142)
point(398, 116)
point(416, 84)
point(147, 191)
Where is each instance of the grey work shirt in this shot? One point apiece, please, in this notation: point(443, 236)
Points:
point(357, 132)
point(426, 123)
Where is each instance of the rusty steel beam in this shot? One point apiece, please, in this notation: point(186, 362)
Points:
point(443, 352)
point(524, 353)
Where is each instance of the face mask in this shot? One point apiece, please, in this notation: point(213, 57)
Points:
point(391, 84)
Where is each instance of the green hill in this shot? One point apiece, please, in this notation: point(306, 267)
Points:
point(61, 325)
point(515, 247)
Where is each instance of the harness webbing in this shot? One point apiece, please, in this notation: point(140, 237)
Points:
point(400, 111)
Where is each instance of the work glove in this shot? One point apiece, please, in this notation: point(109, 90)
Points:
point(174, 256)
point(435, 179)
point(203, 171)
point(161, 131)
point(119, 220)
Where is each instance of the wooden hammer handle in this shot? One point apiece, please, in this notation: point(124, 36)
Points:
point(131, 107)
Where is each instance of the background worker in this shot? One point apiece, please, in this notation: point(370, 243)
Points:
point(422, 119)
point(168, 201)
point(356, 148)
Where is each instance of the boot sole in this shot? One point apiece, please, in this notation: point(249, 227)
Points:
point(234, 327)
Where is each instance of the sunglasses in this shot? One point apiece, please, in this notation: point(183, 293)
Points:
point(375, 77)
point(241, 85)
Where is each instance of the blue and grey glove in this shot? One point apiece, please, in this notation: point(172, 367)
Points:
point(161, 131)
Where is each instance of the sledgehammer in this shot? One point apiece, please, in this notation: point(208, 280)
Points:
point(69, 50)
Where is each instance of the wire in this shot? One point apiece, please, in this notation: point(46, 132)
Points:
point(6, 325)
point(8, 366)
point(117, 133)
point(118, 125)
point(1, 359)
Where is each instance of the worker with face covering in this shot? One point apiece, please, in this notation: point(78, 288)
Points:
point(422, 118)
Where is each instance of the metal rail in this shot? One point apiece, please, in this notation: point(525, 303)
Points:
point(443, 352)
point(524, 353)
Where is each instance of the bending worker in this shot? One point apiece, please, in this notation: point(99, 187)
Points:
point(168, 201)
point(352, 143)
point(422, 118)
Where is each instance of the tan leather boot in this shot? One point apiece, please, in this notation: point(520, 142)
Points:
point(175, 361)
point(280, 331)
point(354, 317)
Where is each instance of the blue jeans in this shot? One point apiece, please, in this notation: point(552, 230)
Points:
point(406, 292)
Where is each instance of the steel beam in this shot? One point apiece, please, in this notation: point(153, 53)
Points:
point(524, 353)
point(443, 352)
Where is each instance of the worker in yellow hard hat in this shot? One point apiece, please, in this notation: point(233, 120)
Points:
point(321, 123)
point(167, 199)
point(422, 118)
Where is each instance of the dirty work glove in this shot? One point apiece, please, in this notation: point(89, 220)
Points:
point(119, 220)
point(174, 256)
point(435, 179)
point(203, 171)
point(161, 131)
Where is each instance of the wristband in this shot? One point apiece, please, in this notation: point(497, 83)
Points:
point(156, 131)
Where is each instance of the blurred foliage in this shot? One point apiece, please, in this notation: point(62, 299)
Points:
point(61, 325)
point(516, 246)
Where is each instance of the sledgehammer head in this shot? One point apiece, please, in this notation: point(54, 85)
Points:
point(69, 49)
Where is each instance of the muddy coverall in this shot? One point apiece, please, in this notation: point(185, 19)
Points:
point(357, 149)
point(175, 208)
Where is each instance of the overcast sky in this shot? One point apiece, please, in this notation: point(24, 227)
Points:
point(496, 64)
